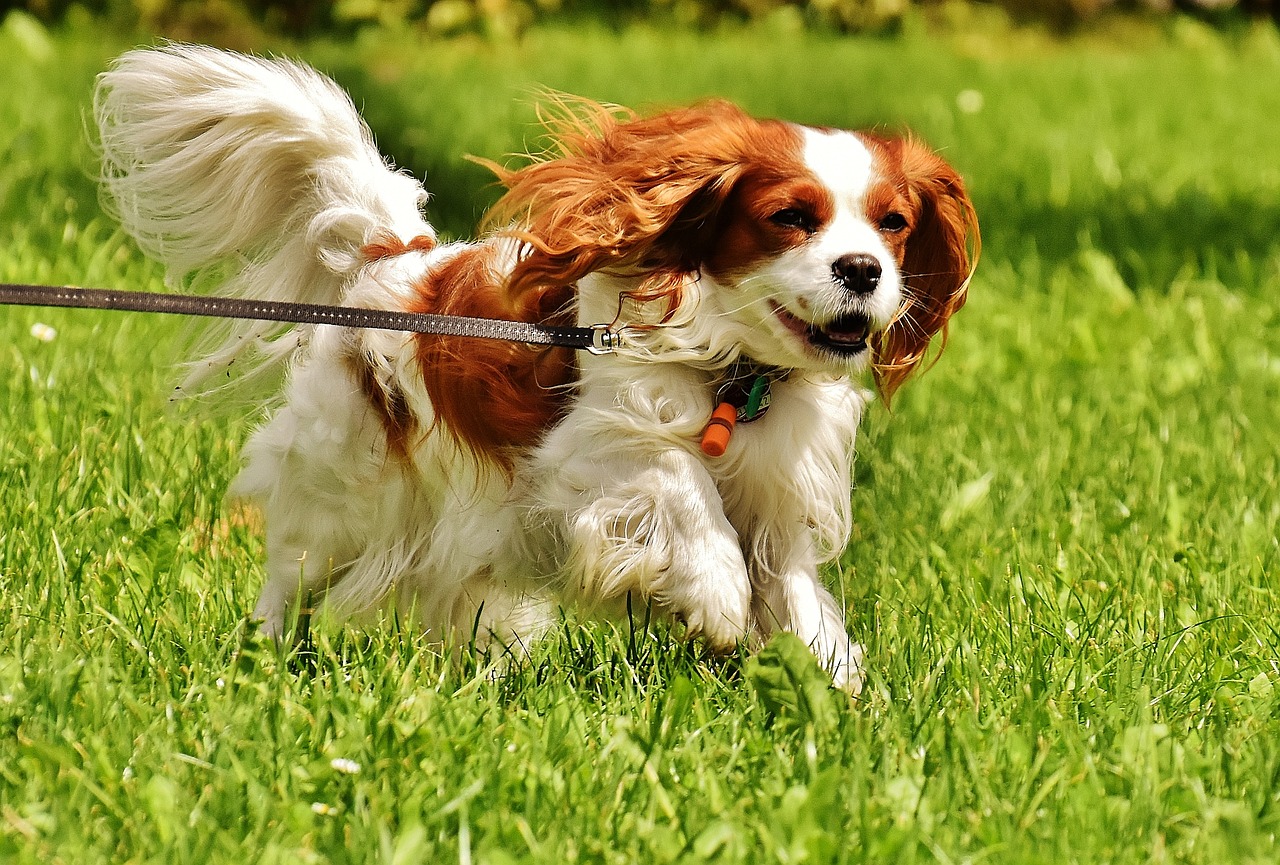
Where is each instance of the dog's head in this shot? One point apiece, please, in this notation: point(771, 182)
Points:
point(821, 249)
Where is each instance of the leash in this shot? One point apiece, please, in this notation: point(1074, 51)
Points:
point(596, 339)
point(743, 395)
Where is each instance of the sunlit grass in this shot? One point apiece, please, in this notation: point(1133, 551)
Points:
point(1064, 566)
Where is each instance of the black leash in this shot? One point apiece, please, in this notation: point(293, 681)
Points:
point(597, 339)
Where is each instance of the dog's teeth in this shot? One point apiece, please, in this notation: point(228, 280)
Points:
point(851, 336)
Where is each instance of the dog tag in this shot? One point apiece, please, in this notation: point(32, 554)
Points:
point(744, 397)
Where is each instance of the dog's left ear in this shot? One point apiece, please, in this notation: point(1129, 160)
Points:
point(941, 253)
point(619, 192)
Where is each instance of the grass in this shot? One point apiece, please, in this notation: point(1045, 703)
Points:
point(1064, 568)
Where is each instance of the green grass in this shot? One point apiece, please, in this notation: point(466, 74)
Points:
point(1064, 568)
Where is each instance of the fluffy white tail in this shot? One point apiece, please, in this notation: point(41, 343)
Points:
point(248, 177)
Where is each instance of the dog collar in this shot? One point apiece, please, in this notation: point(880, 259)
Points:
point(744, 395)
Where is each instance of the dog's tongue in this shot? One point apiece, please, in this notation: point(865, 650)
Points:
point(846, 331)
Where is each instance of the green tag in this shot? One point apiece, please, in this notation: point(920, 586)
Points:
point(748, 388)
point(757, 400)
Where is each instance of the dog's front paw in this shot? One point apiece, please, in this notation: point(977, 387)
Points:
point(799, 603)
point(674, 550)
point(846, 667)
point(706, 587)
point(719, 615)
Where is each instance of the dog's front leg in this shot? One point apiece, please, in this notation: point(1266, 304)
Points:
point(652, 525)
point(790, 596)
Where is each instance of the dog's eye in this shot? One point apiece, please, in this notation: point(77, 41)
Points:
point(794, 217)
point(893, 222)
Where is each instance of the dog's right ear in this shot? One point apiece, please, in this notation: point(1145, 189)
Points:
point(618, 192)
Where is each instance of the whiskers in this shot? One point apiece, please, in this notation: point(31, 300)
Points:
point(904, 317)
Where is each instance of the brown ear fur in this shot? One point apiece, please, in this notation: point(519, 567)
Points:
point(940, 256)
point(615, 191)
point(495, 397)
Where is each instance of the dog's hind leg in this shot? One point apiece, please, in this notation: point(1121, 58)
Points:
point(319, 470)
point(491, 616)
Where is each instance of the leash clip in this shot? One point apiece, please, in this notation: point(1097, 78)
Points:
point(604, 339)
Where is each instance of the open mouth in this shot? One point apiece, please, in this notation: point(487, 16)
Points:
point(845, 335)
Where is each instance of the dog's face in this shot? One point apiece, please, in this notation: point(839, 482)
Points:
point(810, 251)
point(826, 250)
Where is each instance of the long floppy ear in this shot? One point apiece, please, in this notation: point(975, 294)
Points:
point(614, 191)
point(941, 253)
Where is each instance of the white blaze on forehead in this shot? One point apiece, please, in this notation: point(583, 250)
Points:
point(843, 163)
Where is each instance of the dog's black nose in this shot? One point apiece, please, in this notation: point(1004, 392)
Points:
point(857, 272)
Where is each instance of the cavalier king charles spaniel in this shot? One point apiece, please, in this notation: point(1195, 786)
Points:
point(755, 268)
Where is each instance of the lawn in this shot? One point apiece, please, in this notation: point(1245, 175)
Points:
point(1064, 568)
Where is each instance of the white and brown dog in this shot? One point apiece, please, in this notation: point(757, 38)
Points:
point(475, 484)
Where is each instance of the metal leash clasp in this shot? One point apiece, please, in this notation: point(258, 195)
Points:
point(604, 339)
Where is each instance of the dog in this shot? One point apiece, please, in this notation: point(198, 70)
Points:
point(756, 268)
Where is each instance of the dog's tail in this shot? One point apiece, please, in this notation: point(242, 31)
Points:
point(248, 177)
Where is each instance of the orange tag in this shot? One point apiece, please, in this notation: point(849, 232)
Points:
point(715, 438)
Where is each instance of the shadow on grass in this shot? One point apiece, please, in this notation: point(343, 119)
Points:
point(1153, 243)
